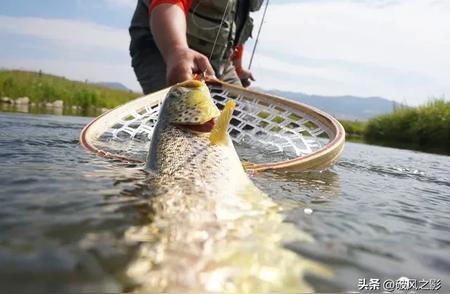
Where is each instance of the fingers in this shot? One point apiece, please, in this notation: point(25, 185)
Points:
point(246, 77)
point(177, 75)
point(201, 64)
point(184, 64)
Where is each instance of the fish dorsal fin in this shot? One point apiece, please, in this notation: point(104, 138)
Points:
point(219, 135)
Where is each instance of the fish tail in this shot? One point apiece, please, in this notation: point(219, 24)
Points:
point(219, 134)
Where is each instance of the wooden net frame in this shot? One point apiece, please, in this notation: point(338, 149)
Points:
point(307, 138)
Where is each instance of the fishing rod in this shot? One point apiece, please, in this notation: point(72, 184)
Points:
point(259, 33)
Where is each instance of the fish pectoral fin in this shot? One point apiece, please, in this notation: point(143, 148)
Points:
point(219, 134)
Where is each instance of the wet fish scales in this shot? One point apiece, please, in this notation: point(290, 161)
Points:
point(212, 230)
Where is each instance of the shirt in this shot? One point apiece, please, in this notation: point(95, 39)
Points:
point(140, 31)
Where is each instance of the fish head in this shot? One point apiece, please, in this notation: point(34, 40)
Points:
point(190, 104)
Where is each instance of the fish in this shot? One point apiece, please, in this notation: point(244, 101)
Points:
point(210, 228)
point(188, 145)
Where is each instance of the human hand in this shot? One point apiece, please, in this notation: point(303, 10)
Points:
point(183, 63)
point(245, 76)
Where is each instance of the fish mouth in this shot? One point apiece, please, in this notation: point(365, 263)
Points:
point(199, 128)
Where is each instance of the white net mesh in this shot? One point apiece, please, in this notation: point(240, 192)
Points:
point(278, 130)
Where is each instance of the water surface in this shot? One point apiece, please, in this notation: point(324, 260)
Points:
point(379, 213)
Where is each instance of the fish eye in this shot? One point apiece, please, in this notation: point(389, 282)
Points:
point(176, 93)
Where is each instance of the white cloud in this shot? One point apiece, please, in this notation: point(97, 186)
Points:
point(67, 32)
point(122, 3)
point(410, 37)
point(339, 79)
point(80, 49)
point(396, 49)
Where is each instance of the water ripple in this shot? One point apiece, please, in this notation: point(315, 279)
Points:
point(380, 212)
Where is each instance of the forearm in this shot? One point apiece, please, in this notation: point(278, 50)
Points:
point(237, 62)
point(237, 56)
point(244, 75)
point(168, 26)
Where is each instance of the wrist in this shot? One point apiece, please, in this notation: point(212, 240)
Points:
point(175, 52)
point(179, 47)
point(238, 69)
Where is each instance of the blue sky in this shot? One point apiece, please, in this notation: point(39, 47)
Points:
point(397, 49)
point(110, 13)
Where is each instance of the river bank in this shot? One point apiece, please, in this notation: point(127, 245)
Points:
point(425, 128)
point(51, 108)
point(28, 88)
point(355, 130)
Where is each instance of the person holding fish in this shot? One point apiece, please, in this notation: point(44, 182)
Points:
point(172, 40)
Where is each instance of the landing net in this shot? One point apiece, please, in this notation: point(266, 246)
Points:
point(298, 136)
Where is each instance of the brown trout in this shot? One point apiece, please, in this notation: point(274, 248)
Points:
point(212, 229)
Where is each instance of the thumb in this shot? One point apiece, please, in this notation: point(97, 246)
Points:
point(176, 76)
point(251, 77)
point(202, 65)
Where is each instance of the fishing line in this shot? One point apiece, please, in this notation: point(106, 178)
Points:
point(259, 33)
point(220, 27)
point(203, 73)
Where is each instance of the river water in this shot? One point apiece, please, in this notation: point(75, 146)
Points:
point(379, 213)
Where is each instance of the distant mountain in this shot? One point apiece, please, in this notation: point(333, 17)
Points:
point(113, 85)
point(342, 107)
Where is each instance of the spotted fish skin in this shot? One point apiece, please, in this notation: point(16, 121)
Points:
point(211, 229)
point(189, 103)
point(178, 154)
point(181, 155)
point(185, 163)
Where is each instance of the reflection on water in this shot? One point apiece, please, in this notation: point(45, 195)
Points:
point(71, 222)
point(22, 108)
point(205, 243)
point(43, 109)
point(322, 186)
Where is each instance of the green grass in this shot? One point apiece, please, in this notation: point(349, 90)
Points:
point(354, 128)
point(48, 88)
point(425, 127)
